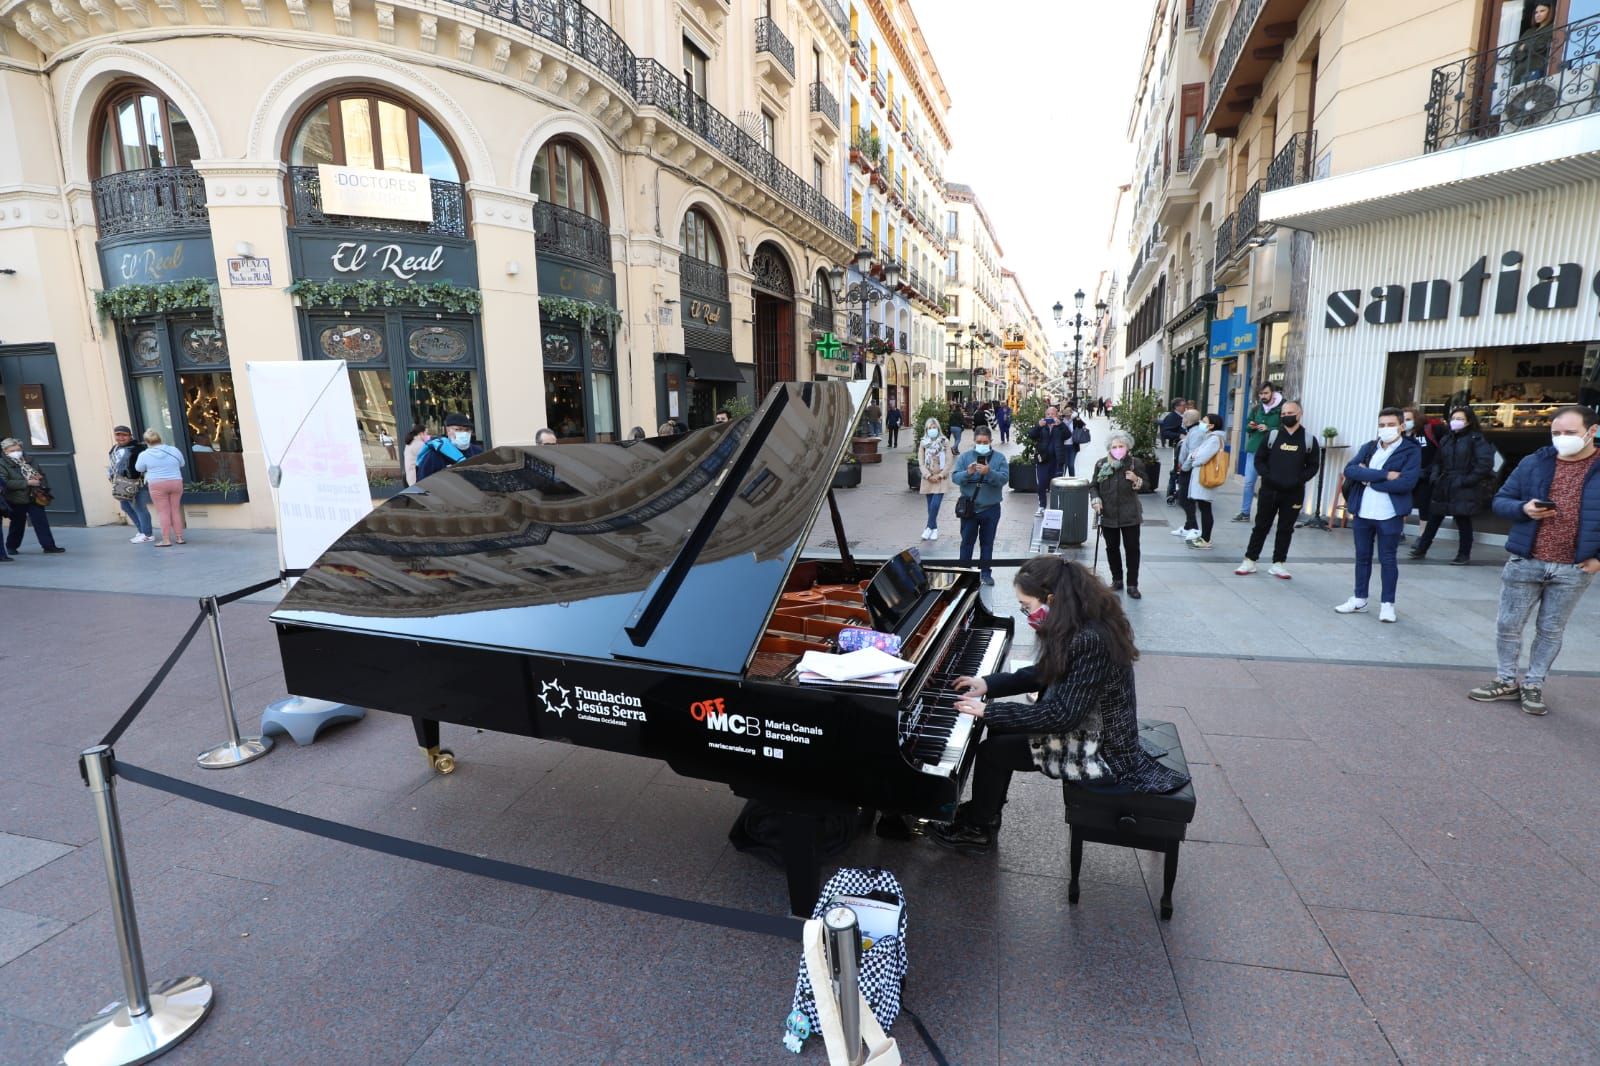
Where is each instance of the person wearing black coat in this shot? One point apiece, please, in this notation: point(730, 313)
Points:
point(1050, 439)
point(958, 422)
point(1462, 469)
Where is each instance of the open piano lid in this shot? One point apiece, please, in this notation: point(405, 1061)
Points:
point(670, 550)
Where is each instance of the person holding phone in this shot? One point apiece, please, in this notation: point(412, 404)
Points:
point(1553, 501)
point(1465, 461)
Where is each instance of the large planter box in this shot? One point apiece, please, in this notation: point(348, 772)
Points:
point(865, 449)
point(1023, 477)
point(384, 492)
point(231, 496)
point(847, 476)
point(1152, 469)
point(913, 475)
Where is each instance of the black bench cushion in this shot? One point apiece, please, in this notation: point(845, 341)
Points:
point(1157, 816)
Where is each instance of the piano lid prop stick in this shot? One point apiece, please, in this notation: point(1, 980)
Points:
point(844, 958)
point(237, 750)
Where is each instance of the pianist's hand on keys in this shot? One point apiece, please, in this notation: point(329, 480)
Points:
point(970, 705)
point(972, 686)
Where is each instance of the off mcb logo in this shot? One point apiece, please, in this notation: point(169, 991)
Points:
point(715, 715)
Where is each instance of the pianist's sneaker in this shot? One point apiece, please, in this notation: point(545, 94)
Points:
point(971, 839)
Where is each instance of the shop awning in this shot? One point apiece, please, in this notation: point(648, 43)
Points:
point(713, 366)
point(1528, 161)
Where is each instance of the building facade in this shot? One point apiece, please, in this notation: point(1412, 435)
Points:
point(972, 306)
point(1026, 351)
point(586, 217)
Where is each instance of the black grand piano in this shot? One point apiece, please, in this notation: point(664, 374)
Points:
point(651, 597)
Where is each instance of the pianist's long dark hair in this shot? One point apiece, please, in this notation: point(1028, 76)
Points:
point(1078, 600)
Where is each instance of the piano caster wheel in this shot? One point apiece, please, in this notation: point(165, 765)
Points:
point(440, 760)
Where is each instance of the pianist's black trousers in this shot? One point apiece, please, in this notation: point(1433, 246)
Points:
point(999, 756)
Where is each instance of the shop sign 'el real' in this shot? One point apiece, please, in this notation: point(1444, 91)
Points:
point(362, 193)
point(1557, 288)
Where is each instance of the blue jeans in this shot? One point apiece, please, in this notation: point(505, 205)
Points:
point(1045, 472)
point(980, 527)
point(1387, 534)
point(935, 500)
point(1554, 588)
point(955, 438)
point(1249, 482)
point(138, 511)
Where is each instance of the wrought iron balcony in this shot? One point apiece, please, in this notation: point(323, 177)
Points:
point(1292, 164)
point(1191, 14)
point(905, 345)
point(836, 13)
point(1200, 14)
point(1244, 21)
point(822, 318)
point(148, 201)
point(1534, 82)
point(1247, 220)
point(823, 103)
point(449, 209)
point(1224, 240)
point(879, 92)
point(696, 277)
point(854, 328)
point(569, 234)
point(771, 40)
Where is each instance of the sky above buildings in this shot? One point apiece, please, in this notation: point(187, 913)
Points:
point(1041, 92)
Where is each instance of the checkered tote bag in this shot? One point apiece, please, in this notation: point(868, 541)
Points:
point(883, 965)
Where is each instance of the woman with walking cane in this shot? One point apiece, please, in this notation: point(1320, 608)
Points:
point(1114, 494)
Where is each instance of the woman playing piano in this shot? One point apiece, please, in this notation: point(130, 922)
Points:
point(1084, 726)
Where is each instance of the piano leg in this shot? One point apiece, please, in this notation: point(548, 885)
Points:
point(802, 861)
point(1076, 848)
point(427, 730)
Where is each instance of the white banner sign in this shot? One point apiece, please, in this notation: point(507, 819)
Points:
point(308, 431)
point(375, 193)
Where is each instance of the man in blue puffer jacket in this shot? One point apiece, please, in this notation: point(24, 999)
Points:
point(1553, 499)
point(1377, 491)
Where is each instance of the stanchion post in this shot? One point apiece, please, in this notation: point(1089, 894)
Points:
point(238, 750)
point(844, 955)
point(149, 1021)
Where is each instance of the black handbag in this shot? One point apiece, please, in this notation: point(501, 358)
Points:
point(964, 506)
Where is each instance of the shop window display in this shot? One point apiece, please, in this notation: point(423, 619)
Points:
point(580, 384)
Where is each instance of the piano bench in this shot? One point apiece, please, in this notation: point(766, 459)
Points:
point(1142, 821)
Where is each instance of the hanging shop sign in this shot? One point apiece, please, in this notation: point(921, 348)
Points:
point(832, 358)
point(1233, 335)
point(561, 279)
point(147, 262)
point(361, 193)
point(1502, 290)
point(383, 258)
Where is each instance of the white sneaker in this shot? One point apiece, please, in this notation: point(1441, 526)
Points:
point(1246, 567)
point(1352, 606)
point(1038, 512)
point(1191, 534)
point(933, 534)
point(925, 532)
point(1386, 612)
point(137, 538)
point(1279, 570)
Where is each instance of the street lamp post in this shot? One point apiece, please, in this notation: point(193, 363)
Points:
point(972, 347)
point(865, 292)
point(1077, 321)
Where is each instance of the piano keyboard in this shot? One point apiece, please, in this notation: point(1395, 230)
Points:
point(935, 736)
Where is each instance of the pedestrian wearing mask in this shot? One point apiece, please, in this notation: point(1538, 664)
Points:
point(1415, 427)
point(416, 437)
point(1465, 463)
point(27, 495)
point(1263, 419)
point(1378, 482)
point(1553, 501)
point(446, 451)
point(937, 461)
point(1114, 495)
point(981, 474)
point(1002, 416)
point(1200, 495)
point(1286, 461)
point(1049, 439)
point(127, 484)
point(1194, 431)
point(162, 466)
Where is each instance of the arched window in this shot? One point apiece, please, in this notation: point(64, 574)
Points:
point(140, 129)
point(698, 235)
point(822, 291)
point(563, 174)
point(373, 131)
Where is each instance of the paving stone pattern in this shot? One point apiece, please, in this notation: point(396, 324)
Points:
point(1379, 870)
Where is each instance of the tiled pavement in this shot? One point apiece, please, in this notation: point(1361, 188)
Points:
point(1379, 869)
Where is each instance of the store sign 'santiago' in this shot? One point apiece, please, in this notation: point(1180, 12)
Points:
point(1554, 288)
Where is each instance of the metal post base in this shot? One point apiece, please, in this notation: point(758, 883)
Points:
point(248, 749)
point(304, 718)
point(112, 1038)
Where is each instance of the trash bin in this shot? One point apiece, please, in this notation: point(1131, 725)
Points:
point(1070, 496)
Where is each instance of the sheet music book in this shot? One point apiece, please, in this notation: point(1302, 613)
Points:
point(853, 666)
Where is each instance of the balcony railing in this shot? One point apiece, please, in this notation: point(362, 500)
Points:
point(145, 201)
point(1199, 14)
point(1244, 21)
point(449, 209)
point(836, 13)
point(1224, 240)
point(1146, 250)
point(878, 89)
point(905, 345)
point(823, 103)
point(1191, 14)
point(569, 234)
point(1534, 82)
point(700, 278)
point(821, 317)
point(1292, 164)
point(854, 328)
point(771, 40)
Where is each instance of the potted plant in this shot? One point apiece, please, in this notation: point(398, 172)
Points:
point(738, 407)
point(1024, 475)
point(864, 444)
point(1139, 415)
point(847, 475)
point(382, 486)
point(940, 413)
point(215, 490)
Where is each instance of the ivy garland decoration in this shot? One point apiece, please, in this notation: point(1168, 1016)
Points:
point(368, 293)
point(131, 301)
point(582, 312)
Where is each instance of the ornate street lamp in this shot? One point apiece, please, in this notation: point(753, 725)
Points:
point(866, 293)
point(1077, 321)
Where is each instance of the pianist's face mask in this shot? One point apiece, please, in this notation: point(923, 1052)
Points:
point(1037, 616)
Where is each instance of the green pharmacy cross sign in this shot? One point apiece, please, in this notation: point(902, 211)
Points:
point(828, 346)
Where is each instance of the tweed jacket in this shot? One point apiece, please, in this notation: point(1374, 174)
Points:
point(1085, 727)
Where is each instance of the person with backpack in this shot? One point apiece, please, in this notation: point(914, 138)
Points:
point(1287, 461)
point(1207, 467)
point(1462, 472)
point(1378, 482)
point(456, 445)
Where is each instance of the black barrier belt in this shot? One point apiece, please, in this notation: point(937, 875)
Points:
point(144, 697)
point(927, 1037)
